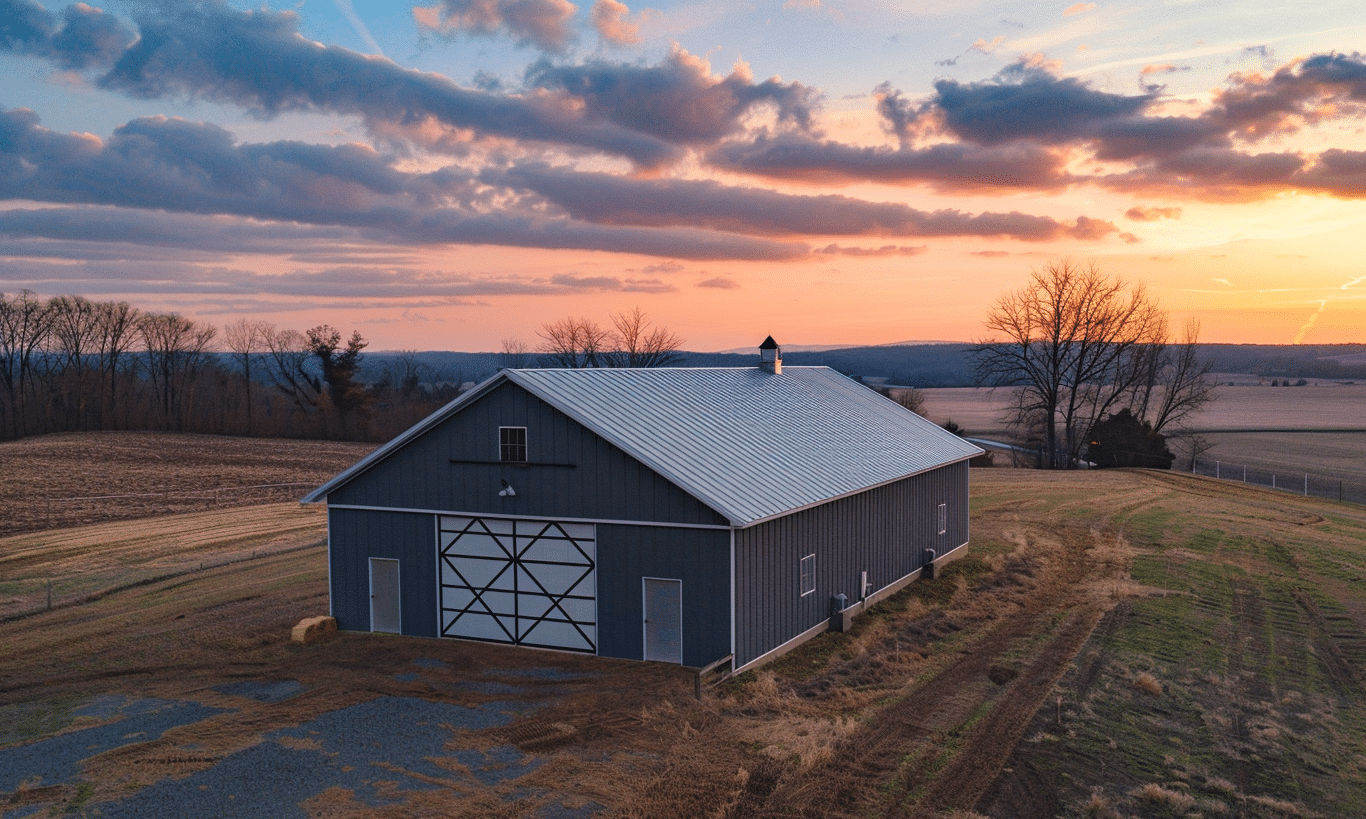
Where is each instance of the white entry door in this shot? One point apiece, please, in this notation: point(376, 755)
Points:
point(663, 620)
point(384, 596)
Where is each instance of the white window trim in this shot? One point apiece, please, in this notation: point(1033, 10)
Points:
point(805, 576)
point(525, 446)
point(943, 518)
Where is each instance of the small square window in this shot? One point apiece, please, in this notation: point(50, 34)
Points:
point(808, 575)
point(512, 444)
point(943, 518)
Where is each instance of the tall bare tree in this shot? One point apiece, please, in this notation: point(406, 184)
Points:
point(25, 325)
point(1175, 383)
point(638, 343)
point(177, 350)
point(246, 339)
point(1072, 343)
point(117, 334)
point(633, 342)
point(288, 355)
point(516, 354)
point(574, 344)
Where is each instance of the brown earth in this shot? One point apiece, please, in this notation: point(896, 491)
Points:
point(920, 710)
point(56, 481)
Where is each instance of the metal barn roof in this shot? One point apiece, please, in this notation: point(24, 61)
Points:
point(750, 444)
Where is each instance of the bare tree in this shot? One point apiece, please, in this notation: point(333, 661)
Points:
point(574, 344)
point(177, 350)
point(74, 335)
point(582, 343)
point(1176, 383)
point(637, 343)
point(245, 339)
point(1070, 343)
point(25, 324)
point(515, 353)
point(288, 356)
point(117, 333)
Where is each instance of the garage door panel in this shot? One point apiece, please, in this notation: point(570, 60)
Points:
point(555, 551)
point(518, 581)
point(555, 579)
point(551, 634)
point(482, 627)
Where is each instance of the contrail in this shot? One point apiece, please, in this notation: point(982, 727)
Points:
point(1314, 317)
point(344, 6)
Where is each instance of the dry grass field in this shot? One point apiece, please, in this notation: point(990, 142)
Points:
point(1117, 644)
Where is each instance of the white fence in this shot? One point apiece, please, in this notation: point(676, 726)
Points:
point(1296, 481)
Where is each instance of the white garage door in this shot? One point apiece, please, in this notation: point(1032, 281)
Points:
point(526, 582)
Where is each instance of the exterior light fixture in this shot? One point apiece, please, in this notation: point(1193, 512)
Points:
point(508, 491)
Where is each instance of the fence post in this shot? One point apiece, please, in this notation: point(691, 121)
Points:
point(1244, 473)
point(1273, 480)
point(1306, 484)
point(1216, 469)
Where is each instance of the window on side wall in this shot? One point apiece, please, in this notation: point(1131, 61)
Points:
point(512, 444)
point(808, 575)
point(943, 518)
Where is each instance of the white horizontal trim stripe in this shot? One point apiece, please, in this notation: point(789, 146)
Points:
point(556, 518)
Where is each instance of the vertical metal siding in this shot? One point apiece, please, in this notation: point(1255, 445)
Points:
point(698, 557)
point(356, 536)
point(884, 531)
point(604, 483)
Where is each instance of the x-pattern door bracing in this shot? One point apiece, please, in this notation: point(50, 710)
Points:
point(526, 582)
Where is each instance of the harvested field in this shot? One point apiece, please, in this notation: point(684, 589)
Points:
point(55, 481)
point(1116, 644)
point(1320, 408)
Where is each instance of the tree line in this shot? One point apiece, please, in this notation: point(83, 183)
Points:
point(72, 364)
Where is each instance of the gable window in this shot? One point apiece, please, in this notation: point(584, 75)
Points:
point(943, 518)
point(808, 573)
point(512, 444)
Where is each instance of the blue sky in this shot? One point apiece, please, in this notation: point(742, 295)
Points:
point(451, 174)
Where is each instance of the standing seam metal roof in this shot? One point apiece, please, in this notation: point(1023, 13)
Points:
point(750, 444)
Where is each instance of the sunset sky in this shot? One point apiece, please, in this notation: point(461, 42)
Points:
point(446, 176)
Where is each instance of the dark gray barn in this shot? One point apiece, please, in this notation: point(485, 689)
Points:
point(675, 514)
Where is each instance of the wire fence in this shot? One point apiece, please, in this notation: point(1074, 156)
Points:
point(1295, 481)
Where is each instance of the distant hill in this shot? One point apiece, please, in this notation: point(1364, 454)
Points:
point(917, 364)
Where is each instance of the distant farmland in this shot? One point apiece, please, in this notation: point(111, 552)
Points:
point(1318, 429)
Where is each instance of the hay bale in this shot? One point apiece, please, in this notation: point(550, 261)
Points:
point(314, 629)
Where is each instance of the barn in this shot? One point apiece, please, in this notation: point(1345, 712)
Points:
point(686, 515)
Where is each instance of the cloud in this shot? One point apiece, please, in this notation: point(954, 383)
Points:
point(540, 23)
point(257, 60)
point(1078, 8)
point(719, 283)
point(990, 254)
point(679, 101)
point(987, 47)
point(168, 165)
point(1025, 101)
point(603, 198)
point(1139, 214)
point(885, 250)
point(85, 37)
point(946, 166)
point(1164, 68)
point(610, 19)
